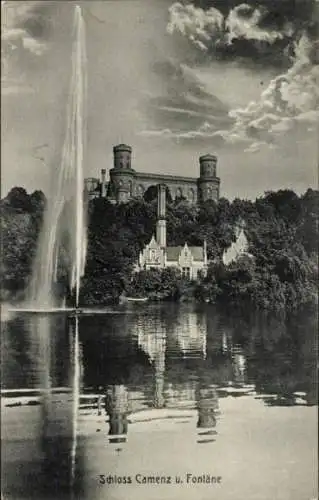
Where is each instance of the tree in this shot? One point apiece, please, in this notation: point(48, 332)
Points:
point(281, 229)
point(18, 199)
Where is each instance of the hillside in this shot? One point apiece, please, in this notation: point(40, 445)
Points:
point(281, 229)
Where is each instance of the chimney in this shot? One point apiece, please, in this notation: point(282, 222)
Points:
point(103, 185)
point(161, 216)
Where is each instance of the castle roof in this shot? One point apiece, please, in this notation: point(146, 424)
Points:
point(122, 147)
point(173, 253)
point(208, 157)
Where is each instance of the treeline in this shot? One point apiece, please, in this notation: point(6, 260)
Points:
point(281, 228)
point(21, 221)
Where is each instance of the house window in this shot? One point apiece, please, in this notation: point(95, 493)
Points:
point(186, 272)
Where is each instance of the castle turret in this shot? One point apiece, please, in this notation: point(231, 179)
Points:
point(116, 406)
point(122, 176)
point(122, 156)
point(207, 405)
point(161, 216)
point(208, 182)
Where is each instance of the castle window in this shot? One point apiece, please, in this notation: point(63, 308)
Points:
point(186, 272)
point(179, 193)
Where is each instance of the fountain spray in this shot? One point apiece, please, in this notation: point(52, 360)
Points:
point(65, 217)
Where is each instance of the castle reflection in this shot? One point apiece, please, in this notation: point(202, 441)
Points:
point(166, 371)
point(185, 363)
point(117, 409)
point(105, 375)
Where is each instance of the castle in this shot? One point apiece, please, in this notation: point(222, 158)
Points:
point(190, 260)
point(126, 183)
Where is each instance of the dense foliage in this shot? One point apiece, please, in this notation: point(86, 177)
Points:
point(21, 220)
point(281, 228)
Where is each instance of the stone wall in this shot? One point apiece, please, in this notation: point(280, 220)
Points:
point(126, 183)
point(178, 186)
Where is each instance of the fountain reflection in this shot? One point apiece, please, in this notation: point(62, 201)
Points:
point(60, 415)
point(48, 462)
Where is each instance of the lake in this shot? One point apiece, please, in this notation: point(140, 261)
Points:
point(159, 401)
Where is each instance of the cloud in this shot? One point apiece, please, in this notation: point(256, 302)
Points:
point(205, 132)
point(249, 30)
point(182, 103)
point(244, 22)
point(22, 31)
point(199, 26)
point(254, 147)
point(206, 27)
point(291, 98)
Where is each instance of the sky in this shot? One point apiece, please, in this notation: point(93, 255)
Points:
point(175, 80)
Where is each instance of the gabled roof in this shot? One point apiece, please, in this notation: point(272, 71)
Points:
point(197, 253)
point(173, 253)
point(153, 243)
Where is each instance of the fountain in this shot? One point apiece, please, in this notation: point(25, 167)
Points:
point(63, 237)
point(65, 219)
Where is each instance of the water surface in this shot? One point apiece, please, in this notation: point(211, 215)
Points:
point(159, 401)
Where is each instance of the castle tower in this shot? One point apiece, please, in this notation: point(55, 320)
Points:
point(208, 182)
point(116, 406)
point(122, 176)
point(161, 216)
point(207, 405)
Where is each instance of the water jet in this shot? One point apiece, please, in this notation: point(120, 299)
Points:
point(64, 226)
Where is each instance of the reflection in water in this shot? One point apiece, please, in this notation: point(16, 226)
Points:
point(117, 409)
point(59, 410)
point(50, 433)
point(169, 364)
point(239, 366)
point(76, 379)
point(207, 404)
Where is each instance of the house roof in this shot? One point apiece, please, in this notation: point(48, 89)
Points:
point(153, 243)
point(197, 253)
point(173, 253)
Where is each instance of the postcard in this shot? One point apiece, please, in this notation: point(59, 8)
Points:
point(159, 227)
